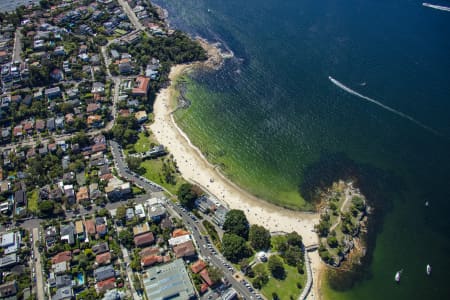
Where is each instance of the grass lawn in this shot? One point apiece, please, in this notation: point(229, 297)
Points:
point(33, 201)
point(143, 143)
point(153, 172)
point(286, 288)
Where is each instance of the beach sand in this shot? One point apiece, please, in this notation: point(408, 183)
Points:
point(195, 168)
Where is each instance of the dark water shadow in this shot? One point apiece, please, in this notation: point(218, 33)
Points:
point(377, 185)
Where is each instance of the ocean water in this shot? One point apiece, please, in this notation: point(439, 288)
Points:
point(278, 125)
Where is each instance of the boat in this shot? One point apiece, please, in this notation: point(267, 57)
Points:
point(426, 203)
point(397, 276)
point(428, 270)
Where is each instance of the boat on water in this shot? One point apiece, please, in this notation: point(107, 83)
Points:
point(397, 276)
point(428, 270)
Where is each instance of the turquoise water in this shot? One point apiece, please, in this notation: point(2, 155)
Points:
point(281, 127)
point(80, 278)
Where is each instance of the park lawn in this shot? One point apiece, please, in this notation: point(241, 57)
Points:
point(33, 201)
point(143, 143)
point(153, 172)
point(287, 287)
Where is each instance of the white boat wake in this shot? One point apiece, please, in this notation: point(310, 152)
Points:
point(439, 7)
point(378, 103)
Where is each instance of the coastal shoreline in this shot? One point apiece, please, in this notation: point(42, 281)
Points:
point(195, 168)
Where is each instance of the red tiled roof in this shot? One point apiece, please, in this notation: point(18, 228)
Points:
point(105, 285)
point(141, 86)
point(151, 260)
point(179, 232)
point(103, 258)
point(205, 276)
point(98, 148)
point(144, 239)
point(62, 256)
point(198, 266)
point(149, 251)
point(184, 249)
point(106, 177)
point(203, 288)
point(90, 226)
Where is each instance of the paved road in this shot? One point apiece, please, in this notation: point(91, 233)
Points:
point(131, 15)
point(208, 251)
point(39, 277)
point(123, 171)
point(127, 261)
point(17, 45)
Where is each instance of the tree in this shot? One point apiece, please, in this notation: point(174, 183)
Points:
point(234, 247)
point(236, 222)
point(259, 237)
point(276, 267)
point(332, 241)
point(120, 213)
point(46, 207)
point(126, 238)
point(294, 239)
point(215, 274)
point(186, 195)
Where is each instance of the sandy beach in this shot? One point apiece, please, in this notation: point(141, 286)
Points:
point(195, 168)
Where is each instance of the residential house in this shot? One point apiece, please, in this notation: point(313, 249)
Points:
point(143, 240)
point(105, 285)
point(59, 123)
point(63, 280)
point(51, 124)
point(52, 93)
point(40, 125)
point(129, 214)
point(103, 259)
point(79, 230)
point(156, 212)
point(198, 266)
point(67, 233)
point(20, 197)
point(64, 293)
point(83, 194)
point(104, 273)
point(92, 108)
point(141, 229)
point(149, 261)
point(8, 290)
point(90, 227)
point(205, 276)
point(141, 116)
point(50, 236)
point(65, 256)
point(94, 121)
point(100, 248)
point(116, 189)
point(18, 131)
point(139, 211)
point(94, 192)
point(141, 86)
point(61, 267)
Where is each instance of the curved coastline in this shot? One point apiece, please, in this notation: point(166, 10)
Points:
point(195, 168)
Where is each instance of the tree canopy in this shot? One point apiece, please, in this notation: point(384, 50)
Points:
point(276, 267)
point(236, 222)
point(259, 237)
point(234, 247)
point(187, 195)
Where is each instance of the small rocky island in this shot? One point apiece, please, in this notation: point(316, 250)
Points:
point(342, 224)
